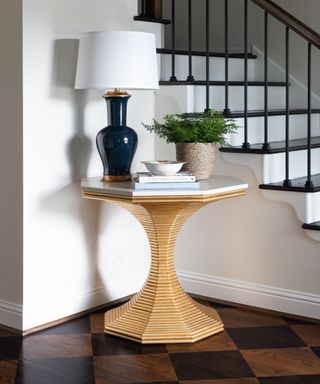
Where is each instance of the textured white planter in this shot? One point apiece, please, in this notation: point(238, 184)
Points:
point(199, 158)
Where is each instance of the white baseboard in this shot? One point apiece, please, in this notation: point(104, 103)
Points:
point(257, 295)
point(11, 314)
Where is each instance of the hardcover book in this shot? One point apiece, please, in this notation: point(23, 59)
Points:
point(148, 177)
point(166, 185)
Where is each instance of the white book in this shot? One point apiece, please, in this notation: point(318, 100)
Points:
point(181, 177)
point(166, 185)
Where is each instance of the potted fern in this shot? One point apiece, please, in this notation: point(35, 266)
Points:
point(195, 137)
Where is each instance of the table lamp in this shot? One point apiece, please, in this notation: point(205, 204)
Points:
point(117, 60)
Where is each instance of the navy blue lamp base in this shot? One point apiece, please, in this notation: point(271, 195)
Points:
point(117, 143)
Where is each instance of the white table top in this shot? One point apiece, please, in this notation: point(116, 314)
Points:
point(215, 185)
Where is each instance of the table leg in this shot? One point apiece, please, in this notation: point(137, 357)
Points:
point(162, 312)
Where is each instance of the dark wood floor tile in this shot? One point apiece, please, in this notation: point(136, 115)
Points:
point(52, 346)
point(292, 321)
point(309, 333)
point(56, 371)
point(311, 379)
point(210, 365)
point(282, 361)
point(219, 305)
point(103, 345)
point(97, 322)
point(8, 370)
point(81, 325)
point(7, 333)
point(265, 337)
point(218, 342)
point(157, 382)
point(133, 369)
point(243, 380)
point(238, 317)
point(10, 347)
point(316, 350)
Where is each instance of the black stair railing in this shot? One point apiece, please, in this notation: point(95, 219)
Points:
point(190, 76)
point(309, 182)
point(226, 111)
point(291, 24)
point(246, 144)
point(207, 55)
point(173, 41)
point(287, 181)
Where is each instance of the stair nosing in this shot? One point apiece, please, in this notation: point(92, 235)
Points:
point(292, 147)
point(185, 52)
point(315, 226)
point(232, 83)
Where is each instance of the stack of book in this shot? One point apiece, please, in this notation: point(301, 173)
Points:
point(148, 181)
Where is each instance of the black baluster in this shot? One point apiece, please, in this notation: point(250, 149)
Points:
point(173, 41)
point(266, 145)
point(207, 56)
point(287, 181)
point(309, 182)
point(190, 76)
point(246, 144)
point(226, 111)
point(143, 8)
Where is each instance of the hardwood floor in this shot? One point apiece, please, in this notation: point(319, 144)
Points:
point(254, 348)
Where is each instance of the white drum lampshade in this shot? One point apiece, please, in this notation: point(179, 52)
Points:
point(117, 60)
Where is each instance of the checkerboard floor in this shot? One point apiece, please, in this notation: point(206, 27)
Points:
point(254, 348)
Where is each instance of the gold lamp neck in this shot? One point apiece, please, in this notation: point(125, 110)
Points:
point(117, 92)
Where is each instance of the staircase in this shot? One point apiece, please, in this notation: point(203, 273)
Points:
point(279, 121)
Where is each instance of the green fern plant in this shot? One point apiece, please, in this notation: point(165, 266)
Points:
point(207, 127)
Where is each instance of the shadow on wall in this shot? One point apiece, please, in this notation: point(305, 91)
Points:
point(68, 200)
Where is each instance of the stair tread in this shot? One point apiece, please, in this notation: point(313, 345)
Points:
point(151, 19)
point(223, 83)
point(313, 226)
point(275, 146)
point(273, 112)
point(297, 185)
point(203, 53)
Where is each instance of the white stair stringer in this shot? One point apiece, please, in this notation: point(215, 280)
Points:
point(306, 205)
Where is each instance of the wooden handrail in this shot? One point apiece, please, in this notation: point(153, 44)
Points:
point(289, 20)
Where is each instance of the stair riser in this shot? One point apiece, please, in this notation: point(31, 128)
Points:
point(271, 168)
point(276, 99)
point(276, 129)
point(217, 68)
point(274, 165)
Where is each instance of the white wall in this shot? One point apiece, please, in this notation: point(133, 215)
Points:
point(77, 253)
point(11, 262)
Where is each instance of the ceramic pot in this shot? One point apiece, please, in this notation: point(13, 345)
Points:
point(199, 158)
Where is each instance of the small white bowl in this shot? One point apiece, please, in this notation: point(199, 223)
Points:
point(163, 167)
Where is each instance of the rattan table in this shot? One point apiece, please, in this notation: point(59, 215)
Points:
point(162, 312)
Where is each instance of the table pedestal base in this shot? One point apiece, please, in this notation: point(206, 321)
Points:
point(162, 312)
point(183, 322)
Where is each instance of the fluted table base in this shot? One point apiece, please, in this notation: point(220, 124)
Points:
point(162, 312)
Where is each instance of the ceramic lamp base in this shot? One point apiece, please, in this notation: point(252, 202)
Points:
point(117, 143)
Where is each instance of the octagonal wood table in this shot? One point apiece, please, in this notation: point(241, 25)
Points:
point(162, 312)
